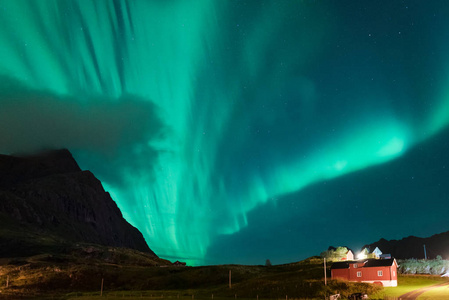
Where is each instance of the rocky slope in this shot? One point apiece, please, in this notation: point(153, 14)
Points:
point(47, 204)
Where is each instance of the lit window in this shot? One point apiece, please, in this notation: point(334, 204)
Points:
point(380, 273)
point(359, 274)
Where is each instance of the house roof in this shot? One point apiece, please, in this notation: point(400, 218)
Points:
point(340, 265)
point(371, 262)
point(379, 262)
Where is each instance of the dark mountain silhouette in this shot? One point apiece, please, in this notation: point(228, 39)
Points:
point(413, 247)
point(47, 203)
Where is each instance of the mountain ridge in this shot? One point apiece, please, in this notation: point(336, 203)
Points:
point(47, 203)
point(413, 247)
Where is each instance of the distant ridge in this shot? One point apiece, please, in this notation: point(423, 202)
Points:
point(413, 247)
point(47, 203)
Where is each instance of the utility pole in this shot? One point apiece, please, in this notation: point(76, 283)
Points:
point(325, 273)
point(229, 278)
point(425, 254)
point(101, 291)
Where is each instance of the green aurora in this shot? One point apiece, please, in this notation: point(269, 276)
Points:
point(196, 113)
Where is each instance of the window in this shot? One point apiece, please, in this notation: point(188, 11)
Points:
point(359, 274)
point(394, 273)
point(380, 273)
point(355, 266)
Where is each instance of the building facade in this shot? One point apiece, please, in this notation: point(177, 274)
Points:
point(377, 271)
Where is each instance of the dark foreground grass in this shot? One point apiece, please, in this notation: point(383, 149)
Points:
point(125, 277)
point(148, 296)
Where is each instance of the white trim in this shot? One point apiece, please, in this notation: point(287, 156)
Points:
point(380, 273)
point(359, 273)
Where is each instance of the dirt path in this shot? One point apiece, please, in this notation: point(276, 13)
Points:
point(416, 293)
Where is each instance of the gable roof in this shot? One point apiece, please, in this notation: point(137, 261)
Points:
point(371, 262)
point(377, 251)
point(379, 262)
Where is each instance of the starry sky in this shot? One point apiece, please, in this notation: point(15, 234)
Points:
point(240, 131)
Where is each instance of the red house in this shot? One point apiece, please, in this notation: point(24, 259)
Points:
point(377, 271)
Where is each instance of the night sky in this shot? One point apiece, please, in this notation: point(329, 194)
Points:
point(240, 131)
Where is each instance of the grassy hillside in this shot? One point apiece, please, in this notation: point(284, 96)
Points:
point(78, 267)
point(82, 270)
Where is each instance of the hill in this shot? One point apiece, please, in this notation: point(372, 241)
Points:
point(48, 205)
point(413, 247)
point(59, 275)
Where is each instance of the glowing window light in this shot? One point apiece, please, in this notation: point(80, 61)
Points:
point(361, 255)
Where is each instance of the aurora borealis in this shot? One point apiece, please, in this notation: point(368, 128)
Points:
point(236, 131)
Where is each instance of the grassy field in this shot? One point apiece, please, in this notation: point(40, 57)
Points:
point(129, 274)
point(437, 293)
point(136, 296)
point(408, 283)
point(156, 295)
point(147, 297)
point(59, 275)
